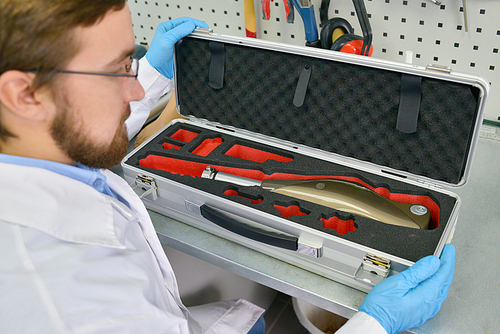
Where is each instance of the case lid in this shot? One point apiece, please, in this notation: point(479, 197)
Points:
point(415, 122)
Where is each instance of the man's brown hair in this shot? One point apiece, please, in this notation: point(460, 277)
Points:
point(37, 35)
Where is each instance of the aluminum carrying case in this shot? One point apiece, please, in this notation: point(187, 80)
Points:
point(270, 111)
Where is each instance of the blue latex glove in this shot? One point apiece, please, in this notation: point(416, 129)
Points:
point(161, 52)
point(408, 299)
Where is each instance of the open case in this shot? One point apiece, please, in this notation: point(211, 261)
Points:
point(380, 130)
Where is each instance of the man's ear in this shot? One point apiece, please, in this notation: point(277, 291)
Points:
point(16, 94)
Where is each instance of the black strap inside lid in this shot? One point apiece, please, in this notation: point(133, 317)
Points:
point(409, 103)
point(216, 74)
point(301, 90)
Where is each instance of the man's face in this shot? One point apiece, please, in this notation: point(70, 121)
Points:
point(70, 136)
point(89, 126)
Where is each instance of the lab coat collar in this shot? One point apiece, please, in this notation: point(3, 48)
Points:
point(58, 205)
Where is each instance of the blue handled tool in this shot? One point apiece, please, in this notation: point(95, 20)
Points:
point(306, 11)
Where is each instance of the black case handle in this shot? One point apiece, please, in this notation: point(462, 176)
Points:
point(250, 232)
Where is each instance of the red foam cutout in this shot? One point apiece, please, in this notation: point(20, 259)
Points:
point(339, 225)
point(252, 154)
point(184, 135)
point(289, 211)
point(184, 167)
point(169, 146)
point(231, 192)
point(207, 146)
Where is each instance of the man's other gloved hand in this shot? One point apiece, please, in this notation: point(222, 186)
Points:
point(408, 299)
point(161, 52)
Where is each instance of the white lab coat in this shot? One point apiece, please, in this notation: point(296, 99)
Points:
point(155, 86)
point(362, 323)
point(77, 261)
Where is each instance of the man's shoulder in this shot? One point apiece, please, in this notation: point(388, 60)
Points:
point(58, 205)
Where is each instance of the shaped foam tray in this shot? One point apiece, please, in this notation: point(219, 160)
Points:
point(182, 151)
point(348, 109)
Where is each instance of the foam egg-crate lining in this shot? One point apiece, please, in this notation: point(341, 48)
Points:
point(411, 244)
point(349, 109)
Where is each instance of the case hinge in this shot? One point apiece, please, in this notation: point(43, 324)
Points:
point(429, 184)
point(438, 68)
point(206, 31)
point(148, 184)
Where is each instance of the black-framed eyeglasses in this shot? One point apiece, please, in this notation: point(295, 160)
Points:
point(129, 70)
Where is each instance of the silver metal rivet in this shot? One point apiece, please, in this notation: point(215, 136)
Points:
point(418, 210)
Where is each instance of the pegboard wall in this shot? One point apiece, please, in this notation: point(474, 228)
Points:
point(434, 33)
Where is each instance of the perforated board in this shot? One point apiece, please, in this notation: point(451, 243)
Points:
point(433, 33)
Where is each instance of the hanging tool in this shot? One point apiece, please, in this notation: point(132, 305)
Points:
point(364, 22)
point(438, 3)
point(306, 11)
point(323, 11)
point(250, 26)
point(289, 12)
point(337, 33)
point(466, 21)
point(341, 195)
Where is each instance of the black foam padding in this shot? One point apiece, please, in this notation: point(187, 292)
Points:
point(348, 109)
point(407, 243)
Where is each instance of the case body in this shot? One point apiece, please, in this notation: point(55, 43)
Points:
point(272, 111)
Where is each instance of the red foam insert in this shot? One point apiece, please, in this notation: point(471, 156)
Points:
point(339, 225)
point(231, 192)
point(184, 135)
point(184, 167)
point(252, 154)
point(207, 146)
point(288, 211)
point(169, 146)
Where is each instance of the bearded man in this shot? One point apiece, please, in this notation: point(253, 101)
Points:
point(79, 251)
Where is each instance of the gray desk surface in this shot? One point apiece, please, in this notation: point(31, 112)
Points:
point(473, 302)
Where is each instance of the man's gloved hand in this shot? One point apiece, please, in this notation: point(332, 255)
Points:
point(408, 299)
point(161, 52)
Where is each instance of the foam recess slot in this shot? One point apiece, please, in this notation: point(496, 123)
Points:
point(290, 210)
point(341, 226)
point(184, 135)
point(207, 146)
point(255, 155)
point(168, 146)
point(234, 192)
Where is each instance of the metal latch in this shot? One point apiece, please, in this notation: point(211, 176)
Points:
point(376, 265)
point(148, 184)
point(373, 269)
point(438, 68)
point(315, 251)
